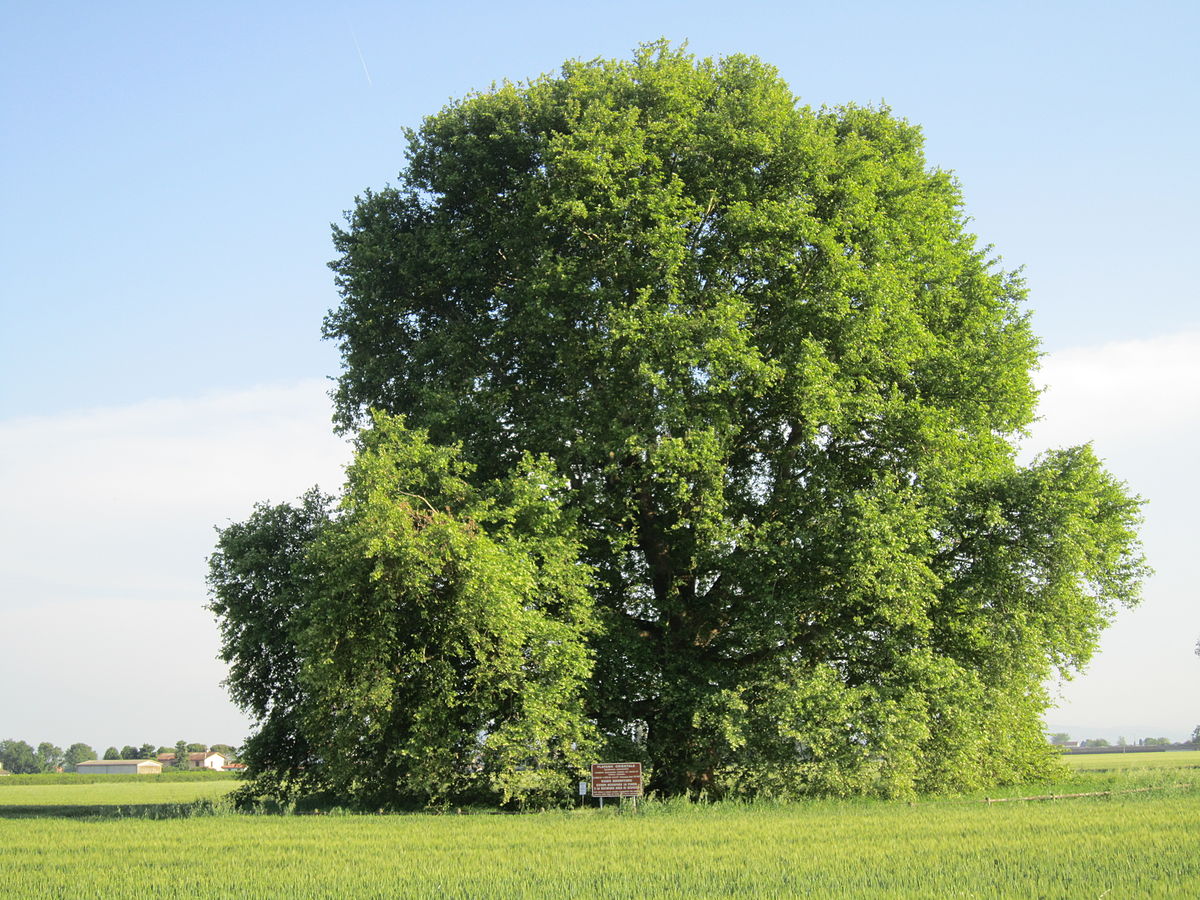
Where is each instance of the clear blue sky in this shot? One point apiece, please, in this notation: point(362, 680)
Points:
point(170, 173)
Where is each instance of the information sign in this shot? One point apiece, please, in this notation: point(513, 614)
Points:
point(616, 779)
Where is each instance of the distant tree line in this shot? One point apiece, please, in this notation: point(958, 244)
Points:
point(1061, 738)
point(1122, 742)
point(20, 758)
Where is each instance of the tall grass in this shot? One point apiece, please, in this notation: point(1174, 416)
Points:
point(1131, 845)
point(1123, 762)
point(96, 778)
point(108, 793)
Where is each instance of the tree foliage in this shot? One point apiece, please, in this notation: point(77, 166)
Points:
point(785, 387)
point(18, 757)
point(49, 757)
point(77, 753)
point(433, 645)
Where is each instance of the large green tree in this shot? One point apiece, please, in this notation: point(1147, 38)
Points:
point(50, 757)
point(18, 757)
point(422, 643)
point(77, 753)
point(786, 387)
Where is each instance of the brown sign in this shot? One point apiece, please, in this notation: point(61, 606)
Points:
point(616, 779)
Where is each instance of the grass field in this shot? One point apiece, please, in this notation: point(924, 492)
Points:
point(98, 798)
point(93, 778)
point(1166, 759)
point(1128, 845)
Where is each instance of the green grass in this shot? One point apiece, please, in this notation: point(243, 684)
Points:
point(106, 794)
point(1165, 759)
point(94, 778)
point(1131, 845)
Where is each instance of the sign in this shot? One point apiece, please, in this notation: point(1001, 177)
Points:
point(583, 789)
point(616, 779)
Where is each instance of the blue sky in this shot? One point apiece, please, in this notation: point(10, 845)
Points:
point(170, 173)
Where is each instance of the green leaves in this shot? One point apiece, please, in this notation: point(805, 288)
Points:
point(784, 387)
point(436, 637)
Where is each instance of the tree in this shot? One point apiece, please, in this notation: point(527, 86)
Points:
point(18, 757)
point(112, 753)
point(129, 752)
point(1094, 742)
point(226, 750)
point(433, 638)
point(1059, 738)
point(181, 755)
point(786, 387)
point(49, 757)
point(78, 753)
point(146, 751)
point(260, 587)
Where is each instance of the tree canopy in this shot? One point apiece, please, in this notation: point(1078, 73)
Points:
point(785, 389)
point(77, 753)
point(50, 757)
point(18, 757)
point(433, 649)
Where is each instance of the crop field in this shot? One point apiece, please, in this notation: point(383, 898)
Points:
point(1144, 844)
point(99, 798)
point(94, 778)
point(1166, 759)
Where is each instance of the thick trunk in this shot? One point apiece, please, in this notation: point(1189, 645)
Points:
point(681, 762)
point(681, 753)
point(672, 771)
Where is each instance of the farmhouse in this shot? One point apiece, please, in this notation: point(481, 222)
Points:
point(204, 760)
point(119, 767)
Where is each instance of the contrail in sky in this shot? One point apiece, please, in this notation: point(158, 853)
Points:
point(366, 71)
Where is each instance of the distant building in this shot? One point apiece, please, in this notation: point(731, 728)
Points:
point(119, 767)
point(204, 760)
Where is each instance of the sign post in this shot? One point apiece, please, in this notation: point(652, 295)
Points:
point(617, 780)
